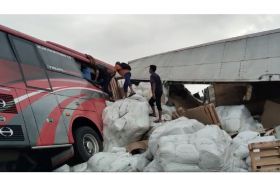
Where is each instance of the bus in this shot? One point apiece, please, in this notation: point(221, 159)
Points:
point(48, 111)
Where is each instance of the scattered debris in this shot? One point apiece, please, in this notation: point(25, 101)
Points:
point(205, 114)
point(265, 156)
point(237, 154)
point(270, 117)
point(229, 94)
point(182, 97)
point(137, 147)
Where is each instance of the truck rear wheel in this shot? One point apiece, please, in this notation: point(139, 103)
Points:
point(87, 143)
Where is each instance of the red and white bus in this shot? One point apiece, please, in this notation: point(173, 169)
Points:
point(47, 109)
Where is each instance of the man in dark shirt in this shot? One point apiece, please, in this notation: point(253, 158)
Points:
point(156, 86)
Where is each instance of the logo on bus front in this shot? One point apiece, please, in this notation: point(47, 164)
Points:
point(2, 103)
point(6, 132)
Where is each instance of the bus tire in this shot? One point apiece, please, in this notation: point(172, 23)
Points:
point(87, 143)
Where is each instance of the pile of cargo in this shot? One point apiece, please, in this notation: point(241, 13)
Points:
point(178, 144)
point(125, 121)
point(236, 119)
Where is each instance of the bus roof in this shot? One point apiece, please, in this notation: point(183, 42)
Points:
point(57, 47)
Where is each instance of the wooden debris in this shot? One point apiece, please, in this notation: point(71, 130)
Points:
point(265, 156)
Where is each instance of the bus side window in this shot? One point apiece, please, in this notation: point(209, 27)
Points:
point(5, 49)
point(33, 69)
point(26, 52)
point(9, 68)
point(59, 62)
point(79, 65)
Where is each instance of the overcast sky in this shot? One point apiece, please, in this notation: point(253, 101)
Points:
point(114, 38)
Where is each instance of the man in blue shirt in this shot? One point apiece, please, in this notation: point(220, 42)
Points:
point(98, 74)
point(87, 73)
point(92, 70)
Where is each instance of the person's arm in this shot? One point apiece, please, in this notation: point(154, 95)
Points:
point(154, 90)
point(97, 74)
point(113, 74)
point(86, 73)
point(153, 86)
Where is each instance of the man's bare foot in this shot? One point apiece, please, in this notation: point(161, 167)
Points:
point(131, 94)
point(111, 100)
point(157, 121)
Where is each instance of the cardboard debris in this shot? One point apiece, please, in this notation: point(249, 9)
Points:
point(267, 132)
point(181, 97)
point(137, 147)
point(205, 114)
point(229, 94)
point(270, 132)
point(270, 117)
point(255, 106)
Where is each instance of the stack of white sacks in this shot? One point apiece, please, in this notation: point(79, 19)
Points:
point(187, 145)
point(178, 145)
point(237, 118)
point(125, 121)
point(143, 89)
point(117, 160)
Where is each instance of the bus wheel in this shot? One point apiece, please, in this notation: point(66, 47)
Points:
point(87, 143)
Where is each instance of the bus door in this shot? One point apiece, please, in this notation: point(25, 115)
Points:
point(43, 103)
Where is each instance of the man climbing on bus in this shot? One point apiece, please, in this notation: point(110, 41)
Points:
point(124, 70)
point(104, 80)
point(91, 73)
point(97, 74)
